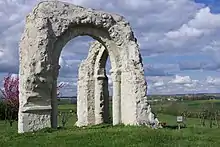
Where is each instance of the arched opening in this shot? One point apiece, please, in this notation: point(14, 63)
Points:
point(94, 65)
point(92, 91)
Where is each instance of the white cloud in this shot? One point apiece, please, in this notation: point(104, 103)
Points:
point(205, 20)
point(158, 84)
point(181, 80)
point(213, 80)
point(204, 23)
point(184, 31)
point(182, 84)
point(195, 35)
point(109, 79)
point(161, 26)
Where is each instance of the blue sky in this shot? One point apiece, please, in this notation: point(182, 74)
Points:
point(179, 42)
point(213, 4)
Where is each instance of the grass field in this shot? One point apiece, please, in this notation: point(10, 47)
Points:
point(107, 136)
point(193, 108)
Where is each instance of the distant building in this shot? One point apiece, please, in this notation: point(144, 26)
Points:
point(171, 99)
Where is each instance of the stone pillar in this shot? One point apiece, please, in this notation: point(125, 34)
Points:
point(116, 97)
point(85, 95)
point(101, 99)
point(106, 99)
point(54, 105)
point(54, 102)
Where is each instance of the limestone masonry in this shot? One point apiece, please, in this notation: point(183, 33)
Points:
point(48, 28)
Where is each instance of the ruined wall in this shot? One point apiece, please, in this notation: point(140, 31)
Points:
point(48, 28)
point(92, 87)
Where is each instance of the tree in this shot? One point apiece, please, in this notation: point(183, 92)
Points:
point(10, 93)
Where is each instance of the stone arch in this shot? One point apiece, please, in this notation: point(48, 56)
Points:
point(92, 87)
point(48, 28)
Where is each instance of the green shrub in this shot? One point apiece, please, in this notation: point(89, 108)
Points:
point(2, 110)
point(7, 112)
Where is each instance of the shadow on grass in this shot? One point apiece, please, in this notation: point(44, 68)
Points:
point(50, 130)
point(105, 125)
point(174, 127)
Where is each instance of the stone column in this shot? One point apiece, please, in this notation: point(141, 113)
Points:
point(116, 97)
point(54, 103)
point(101, 99)
point(106, 99)
point(85, 95)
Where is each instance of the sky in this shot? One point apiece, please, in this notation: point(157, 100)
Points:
point(179, 42)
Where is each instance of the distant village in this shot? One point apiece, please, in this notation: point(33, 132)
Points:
point(156, 98)
point(181, 97)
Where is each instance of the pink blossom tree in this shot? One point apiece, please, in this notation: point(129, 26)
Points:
point(10, 94)
point(10, 90)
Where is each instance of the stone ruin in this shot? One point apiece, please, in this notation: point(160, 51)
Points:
point(48, 28)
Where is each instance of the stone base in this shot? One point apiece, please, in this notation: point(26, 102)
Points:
point(81, 124)
point(33, 121)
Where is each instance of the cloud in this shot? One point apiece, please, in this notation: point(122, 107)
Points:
point(160, 69)
point(213, 80)
point(69, 68)
point(181, 80)
point(182, 84)
point(198, 26)
point(158, 84)
point(160, 27)
point(199, 65)
point(200, 20)
point(194, 35)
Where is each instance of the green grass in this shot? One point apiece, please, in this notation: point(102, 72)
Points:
point(107, 136)
point(194, 107)
point(67, 107)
